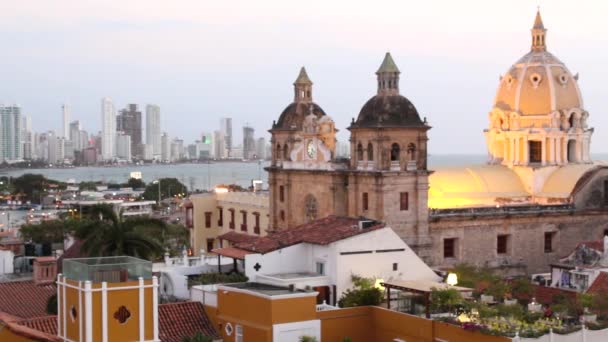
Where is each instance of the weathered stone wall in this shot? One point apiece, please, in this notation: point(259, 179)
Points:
point(477, 239)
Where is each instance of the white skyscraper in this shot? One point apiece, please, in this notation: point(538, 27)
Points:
point(108, 129)
point(165, 145)
point(226, 129)
point(123, 146)
point(11, 148)
point(65, 108)
point(153, 129)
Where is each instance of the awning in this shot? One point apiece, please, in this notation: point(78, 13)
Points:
point(231, 252)
point(422, 286)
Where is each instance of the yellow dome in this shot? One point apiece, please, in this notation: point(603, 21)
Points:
point(538, 83)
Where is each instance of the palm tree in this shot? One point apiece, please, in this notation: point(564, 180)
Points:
point(109, 234)
point(198, 337)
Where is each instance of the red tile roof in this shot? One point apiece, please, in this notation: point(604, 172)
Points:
point(25, 299)
point(545, 294)
point(235, 237)
point(15, 325)
point(320, 232)
point(178, 320)
point(231, 252)
point(600, 284)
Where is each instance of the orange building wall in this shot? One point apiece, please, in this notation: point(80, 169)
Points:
point(389, 325)
point(293, 309)
point(456, 334)
point(9, 336)
point(355, 323)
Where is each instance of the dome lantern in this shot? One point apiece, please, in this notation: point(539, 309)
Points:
point(539, 34)
point(388, 77)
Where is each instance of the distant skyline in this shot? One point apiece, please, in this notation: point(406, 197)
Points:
point(203, 60)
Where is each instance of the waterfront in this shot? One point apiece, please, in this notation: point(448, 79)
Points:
point(204, 176)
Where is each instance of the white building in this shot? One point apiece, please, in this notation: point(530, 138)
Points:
point(177, 149)
point(226, 129)
point(10, 133)
point(108, 129)
point(218, 145)
point(148, 152)
point(123, 146)
point(260, 148)
point(153, 137)
point(74, 134)
point(52, 155)
point(7, 258)
point(165, 145)
point(325, 253)
point(65, 109)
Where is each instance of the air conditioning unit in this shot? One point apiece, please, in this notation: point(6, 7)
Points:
point(364, 224)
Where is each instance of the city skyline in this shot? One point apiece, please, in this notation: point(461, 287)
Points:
point(453, 60)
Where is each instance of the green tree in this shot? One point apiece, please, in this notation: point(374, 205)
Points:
point(88, 186)
point(51, 305)
point(445, 300)
point(32, 186)
point(52, 231)
point(198, 337)
point(108, 234)
point(136, 183)
point(168, 187)
point(363, 293)
point(307, 338)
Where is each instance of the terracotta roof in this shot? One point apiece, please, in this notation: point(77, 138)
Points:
point(15, 325)
point(47, 324)
point(25, 299)
point(178, 320)
point(235, 237)
point(545, 294)
point(231, 252)
point(600, 285)
point(319, 232)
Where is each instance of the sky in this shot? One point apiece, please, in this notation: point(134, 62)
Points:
point(200, 60)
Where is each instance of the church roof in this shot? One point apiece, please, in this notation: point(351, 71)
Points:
point(388, 65)
point(303, 77)
point(388, 111)
point(293, 116)
point(538, 21)
point(562, 181)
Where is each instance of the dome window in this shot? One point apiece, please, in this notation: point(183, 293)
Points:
point(509, 80)
point(563, 79)
point(535, 79)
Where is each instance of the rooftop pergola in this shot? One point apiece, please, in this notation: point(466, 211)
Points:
point(421, 287)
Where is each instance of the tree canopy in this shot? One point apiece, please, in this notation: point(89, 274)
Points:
point(168, 187)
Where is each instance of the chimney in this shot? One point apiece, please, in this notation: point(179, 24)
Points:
point(45, 270)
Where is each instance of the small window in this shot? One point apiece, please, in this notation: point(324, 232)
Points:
point(549, 242)
point(395, 151)
point(370, 151)
point(605, 233)
point(364, 201)
point(285, 152)
point(359, 152)
point(282, 215)
point(220, 220)
point(256, 228)
point(231, 225)
point(535, 151)
point(502, 242)
point(281, 193)
point(403, 201)
point(320, 268)
point(244, 224)
point(606, 192)
point(238, 333)
point(210, 245)
point(449, 248)
point(395, 266)
point(208, 219)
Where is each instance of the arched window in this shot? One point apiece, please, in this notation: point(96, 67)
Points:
point(359, 152)
point(370, 151)
point(395, 150)
point(310, 208)
point(411, 151)
point(285, 152)
point(278, 151)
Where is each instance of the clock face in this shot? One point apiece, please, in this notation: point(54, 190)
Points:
point(311, 149)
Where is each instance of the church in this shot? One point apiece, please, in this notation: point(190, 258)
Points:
point(536, 198)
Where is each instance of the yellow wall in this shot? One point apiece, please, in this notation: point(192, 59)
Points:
point(352, 322)
point(389, 325)
point(8, 336)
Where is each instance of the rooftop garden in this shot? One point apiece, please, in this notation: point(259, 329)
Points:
point(508, 307)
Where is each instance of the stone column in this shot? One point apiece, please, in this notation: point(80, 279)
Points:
point(565, 150)
point(579, 149)
point(543, 151)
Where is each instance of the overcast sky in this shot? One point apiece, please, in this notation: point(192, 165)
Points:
point(200, 60)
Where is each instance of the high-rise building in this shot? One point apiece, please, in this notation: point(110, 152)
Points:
point(129, 122)
point(83, 140)
point(108, 129)
point(248, 143)
point(148, 152)
point(260, 148)
point(217, 147)
point(123, 146)
point(52, 145)
point(165, 148)
point(226, 129)
point(74, 134)
point(27, 138)
point(177, 149)
point(153, 129)
point(65, 109)
point(10, 133)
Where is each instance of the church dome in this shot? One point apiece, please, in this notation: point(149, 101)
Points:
point(388, 111)
point(293, 116)
point(538, 83)
point(388, 108)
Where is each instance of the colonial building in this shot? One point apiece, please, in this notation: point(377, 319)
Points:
point(538, 196)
